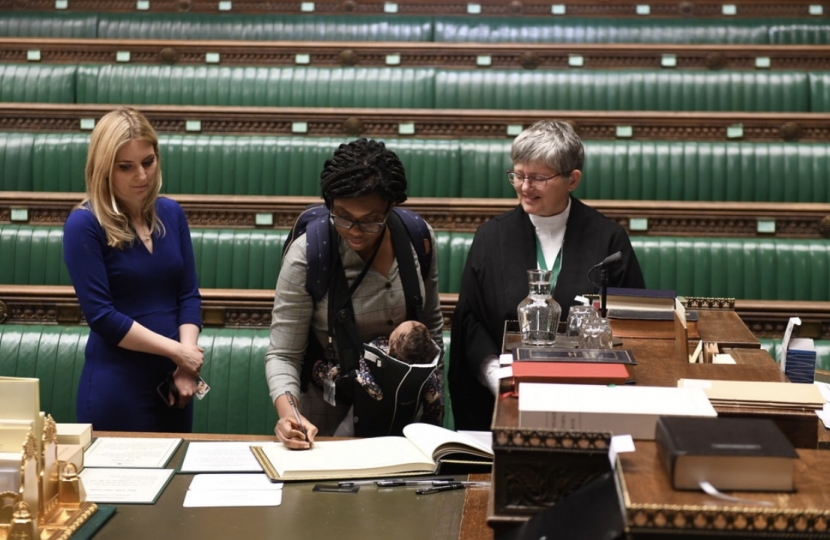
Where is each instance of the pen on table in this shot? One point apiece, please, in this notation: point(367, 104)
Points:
point(392, 482)
point(465, 483)
point(440, 489)
point(400, 482)
point(293, 403)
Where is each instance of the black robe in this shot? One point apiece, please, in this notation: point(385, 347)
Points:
point(495, 281)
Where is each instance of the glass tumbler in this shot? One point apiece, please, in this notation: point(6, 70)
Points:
point(595, 334)
point(577, 315)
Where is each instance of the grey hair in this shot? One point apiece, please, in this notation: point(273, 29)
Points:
point(552, 142)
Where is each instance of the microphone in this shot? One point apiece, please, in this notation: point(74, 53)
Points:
point(611, 259)
point(606, 262)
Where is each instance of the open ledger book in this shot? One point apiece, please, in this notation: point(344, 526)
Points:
point(419, 451)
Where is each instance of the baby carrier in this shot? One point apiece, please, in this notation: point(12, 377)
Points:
point(401, 383)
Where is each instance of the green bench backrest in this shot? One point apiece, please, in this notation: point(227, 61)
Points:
point(620, 170)
point(630, 170)
point(265, 27)
point(45, 24)
point(630, 30)
point(238, 401)
point(416, 88)
point(229, 258)
point(257, 86)
point(749, 268)
point(746, 268)
point(623, 90)
point(38, 83)
point(312, 27)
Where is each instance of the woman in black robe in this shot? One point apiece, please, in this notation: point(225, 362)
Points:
point(548, 229)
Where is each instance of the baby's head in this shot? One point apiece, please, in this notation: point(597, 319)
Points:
point(412, 343)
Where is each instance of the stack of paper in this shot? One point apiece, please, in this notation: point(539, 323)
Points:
point(772, 395)
point(128, 469)
point(621, 410)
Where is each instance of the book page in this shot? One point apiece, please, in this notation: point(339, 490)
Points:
point(130, 452)
point(226, 490)
point(105, 485)
point(376, 455)
point(436, 441)
point(221, 457)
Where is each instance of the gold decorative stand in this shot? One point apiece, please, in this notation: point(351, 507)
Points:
point(50, 502)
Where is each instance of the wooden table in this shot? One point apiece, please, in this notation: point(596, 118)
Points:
point(553, 469)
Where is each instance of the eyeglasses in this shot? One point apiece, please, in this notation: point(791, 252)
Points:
point(517, 180)
point(367, 227)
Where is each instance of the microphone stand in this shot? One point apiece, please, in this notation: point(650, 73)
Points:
point(603, 281)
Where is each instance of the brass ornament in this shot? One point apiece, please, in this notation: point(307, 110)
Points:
point(529, 60)
point(348, 57)
point(353, 126)
point(715, 61)
point(790, 131)
point(824, 227)
point(168, 55)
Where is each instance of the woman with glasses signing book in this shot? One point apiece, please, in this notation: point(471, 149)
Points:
point(352, 271)
point(549, 229)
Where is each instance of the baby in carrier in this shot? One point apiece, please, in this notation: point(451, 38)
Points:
point(409, 342)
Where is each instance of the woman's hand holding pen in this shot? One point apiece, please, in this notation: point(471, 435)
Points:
point(292, 429)
point(189, 358)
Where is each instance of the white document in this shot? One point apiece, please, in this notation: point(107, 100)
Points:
point(622, 410)
point(824, 415)
point(221, 457)
point(138, 453)
point(222, 490)
point(141, 486)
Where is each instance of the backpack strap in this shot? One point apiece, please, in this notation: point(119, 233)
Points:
point(418, 232)
point(314, 222)
point(401, 242)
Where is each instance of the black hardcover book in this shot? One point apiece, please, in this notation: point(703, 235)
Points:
point(733, 454)
point(549, 354)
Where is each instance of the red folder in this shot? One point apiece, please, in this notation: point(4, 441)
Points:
point(570, 372)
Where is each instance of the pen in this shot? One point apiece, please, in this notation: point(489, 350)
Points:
point(400, 482)
point(293, 404)
point(466, 483)
point(440, 489)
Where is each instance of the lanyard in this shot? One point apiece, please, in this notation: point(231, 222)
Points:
point(557, 263)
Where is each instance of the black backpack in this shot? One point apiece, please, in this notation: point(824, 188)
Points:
point(325, 274)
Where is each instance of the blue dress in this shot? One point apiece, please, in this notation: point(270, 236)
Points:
point(115, 287)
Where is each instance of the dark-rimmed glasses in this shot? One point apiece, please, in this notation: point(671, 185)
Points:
point(517, 179)
point(367, 227)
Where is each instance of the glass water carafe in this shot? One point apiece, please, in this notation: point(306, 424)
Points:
point(539, 312)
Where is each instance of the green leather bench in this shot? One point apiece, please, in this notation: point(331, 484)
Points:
point(615, 169)
point(238, 401)
point(271, 27)
point(779, 91)
point(48, 24)
point(746, 268)
point(225, 259)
